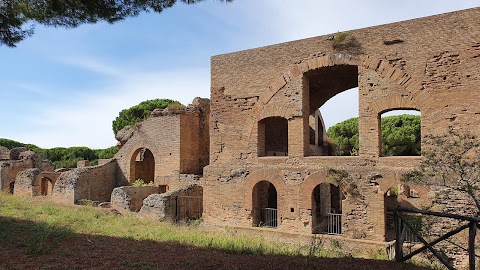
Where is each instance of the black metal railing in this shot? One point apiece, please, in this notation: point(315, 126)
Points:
point(268, 217)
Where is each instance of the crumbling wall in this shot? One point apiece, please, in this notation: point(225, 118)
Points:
point(94, 183)
point(131, 198)
point(160, 135)
point(229, 198)
point(164, 206)
point(178, 140)
point(25, 182)
point(35, 182)
point(19, 159)
point(194, 141)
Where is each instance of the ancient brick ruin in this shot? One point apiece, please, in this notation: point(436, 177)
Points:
point(256, 153)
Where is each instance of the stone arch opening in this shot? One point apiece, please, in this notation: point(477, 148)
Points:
point(327, 209)
point(265, 205)
point(11, 187)
point(321, 85)
point(398, 196)
point(400, 132)
point(46, 186)
point(142, 166)
point(273, 137)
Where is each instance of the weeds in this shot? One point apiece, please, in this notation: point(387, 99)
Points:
point(42, 225)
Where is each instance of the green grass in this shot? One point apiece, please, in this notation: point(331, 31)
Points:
point(47, 223)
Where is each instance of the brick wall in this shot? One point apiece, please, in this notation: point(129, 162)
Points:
point(160, 135)
point(430, 64)
point(179, 143)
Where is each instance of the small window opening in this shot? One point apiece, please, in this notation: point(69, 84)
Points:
point(400, 133)
point(273, 137)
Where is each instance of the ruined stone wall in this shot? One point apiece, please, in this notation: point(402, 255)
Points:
point(25, 183)
point(94, 183)
point(35, 182)
point(131, 198)
point(164, 206)
point(189, 144)
point(231, 197)
point(178, 140)
point(161, 135)
point(10, 168)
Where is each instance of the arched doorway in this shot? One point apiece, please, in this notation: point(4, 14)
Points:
point(397, 196)
point(46, 186)
point(327, 209)
point(11, 187)
point(265, 212)
point(142, 166)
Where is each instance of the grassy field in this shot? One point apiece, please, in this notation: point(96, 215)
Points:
point(36, 234)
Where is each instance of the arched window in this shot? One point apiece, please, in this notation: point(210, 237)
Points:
point(273, 137)
point(332, 98)
point(142, 166)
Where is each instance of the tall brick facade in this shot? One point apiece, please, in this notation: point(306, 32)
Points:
point(431, 65)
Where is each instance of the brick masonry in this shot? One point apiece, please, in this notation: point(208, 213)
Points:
point(429, 64)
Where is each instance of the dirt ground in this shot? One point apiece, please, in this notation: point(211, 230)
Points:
point(100, 252)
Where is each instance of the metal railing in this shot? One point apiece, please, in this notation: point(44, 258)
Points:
point(334, 223)
point(328, 223)
point(268, 217)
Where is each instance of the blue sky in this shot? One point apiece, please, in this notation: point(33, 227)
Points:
point(63, 87)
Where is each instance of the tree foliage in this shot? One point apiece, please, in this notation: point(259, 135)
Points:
point(139, 112)
point(17, 17)
point(451, 160)
point(345, 137)
point(63, 157)
point(400, 136)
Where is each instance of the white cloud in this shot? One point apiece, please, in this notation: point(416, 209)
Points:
point(86, 120)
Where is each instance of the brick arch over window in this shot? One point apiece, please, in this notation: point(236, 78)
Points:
point(271, 176)
point(414, 90)
point(392, 103)
point(270, 110)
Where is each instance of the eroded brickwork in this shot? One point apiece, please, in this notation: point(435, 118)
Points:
point(431, 65)
point(165, 147)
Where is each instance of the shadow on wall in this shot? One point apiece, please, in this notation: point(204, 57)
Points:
point(94, 183)
point(179, 205)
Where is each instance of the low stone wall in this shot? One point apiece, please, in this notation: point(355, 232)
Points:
point(131, 198)
point(163, 206)
point(94, 183)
